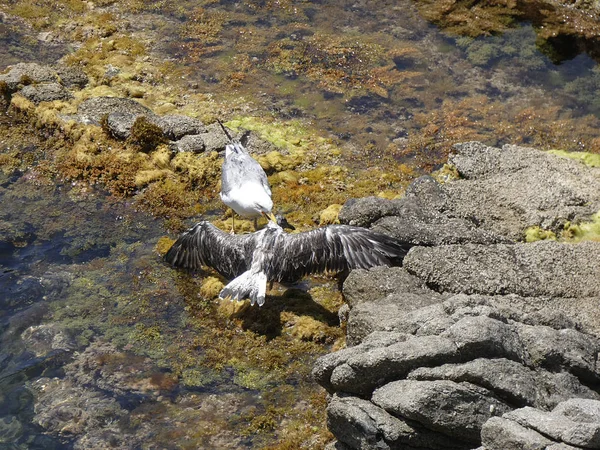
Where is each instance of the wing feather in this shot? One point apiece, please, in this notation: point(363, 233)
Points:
point(206, 245)
point(335, 248)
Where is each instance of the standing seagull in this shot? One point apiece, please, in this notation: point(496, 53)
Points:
point(274, 255)
point(244, 184)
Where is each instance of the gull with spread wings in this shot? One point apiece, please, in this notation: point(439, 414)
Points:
point(274, 255)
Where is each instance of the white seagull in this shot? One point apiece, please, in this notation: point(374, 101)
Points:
point(244, 184)
point(274, 255)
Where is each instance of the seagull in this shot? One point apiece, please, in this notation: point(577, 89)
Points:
point(250, 260)
point(244, 184)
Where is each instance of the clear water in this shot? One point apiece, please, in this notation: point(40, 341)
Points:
point(374, 76)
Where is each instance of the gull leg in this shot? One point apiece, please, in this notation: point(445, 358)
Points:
point(232, 222)
point(255, 223)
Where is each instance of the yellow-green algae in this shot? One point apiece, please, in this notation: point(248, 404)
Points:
point(571, 232)
point(589, 159)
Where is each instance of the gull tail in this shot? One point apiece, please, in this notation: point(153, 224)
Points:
point(252, 285)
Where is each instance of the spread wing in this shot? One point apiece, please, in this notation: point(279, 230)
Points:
point(335, 248)
point(206, 245)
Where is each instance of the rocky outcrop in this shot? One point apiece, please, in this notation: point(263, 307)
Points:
point(478, 339)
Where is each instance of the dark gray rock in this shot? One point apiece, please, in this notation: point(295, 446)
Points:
point(361, 424)
point(71, 76)
point(120, 123)
point(214, 138)
point(511, 381)
point(191, 143)
point(362, 212)
point(27, 73)
point(367, 285)
point(93, 109)
point(499, 433)
point(454, 409)
point(558, 349)
point(538, 269)
point(45, 92)
point(176, 127)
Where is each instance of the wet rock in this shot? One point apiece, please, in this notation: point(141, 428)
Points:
point(454, 409)
point(533, 270)
point(120, 123)
point(23, 74)
point(93, 109)
point(71, 76)
point(102, 366)
point(66, 409)
point(45, 92)
point(191, 143)
point(176, 127)
point(42, 339)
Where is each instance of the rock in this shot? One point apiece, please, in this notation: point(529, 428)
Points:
point(64, 408)
point(190, 143)
point(120, 123)
point(214, 138)
point(560, 427)
point(93, 109)
point(102, 366)
point(176, 127)
point(28, 73)
point(361, 424)
point(395, 293)
point(420, 217)
point(510, 189)
point(71, 76)
point(42, 339)
point(45, 92)
point(511, 381)
point(363, 372)
point(455, 409)
point(538, 269)
point(479, 342)
point(362, 212)
point(364, 285)
point(499, 433)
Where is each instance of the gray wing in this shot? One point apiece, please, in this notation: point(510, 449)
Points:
point(240, 168)
point(206, 245)
point(335, 248)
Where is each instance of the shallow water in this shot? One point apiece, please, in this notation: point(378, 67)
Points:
point(89, 311)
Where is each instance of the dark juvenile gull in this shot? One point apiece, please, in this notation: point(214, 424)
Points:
point(244, 184)
point(274, 255)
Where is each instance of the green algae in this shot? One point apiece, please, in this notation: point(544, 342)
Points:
point(589, 159)
point(571, 232)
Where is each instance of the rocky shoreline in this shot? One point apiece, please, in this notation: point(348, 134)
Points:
point(480, 339)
